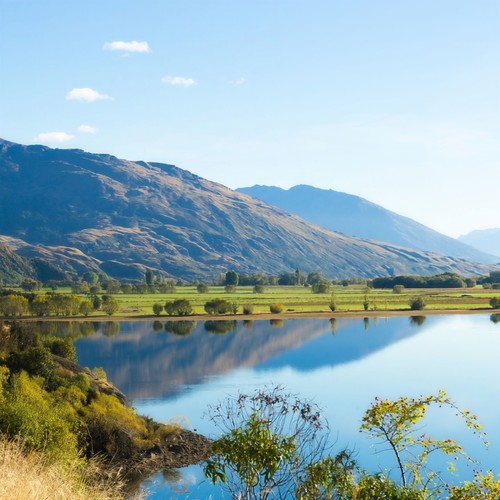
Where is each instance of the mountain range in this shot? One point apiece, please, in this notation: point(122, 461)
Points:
point(76, 210)
point(356, 216)
point(487, 240)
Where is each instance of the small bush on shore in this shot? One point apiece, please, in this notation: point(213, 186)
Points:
point(276, 308)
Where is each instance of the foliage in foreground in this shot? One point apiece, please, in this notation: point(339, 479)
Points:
point(62, 410)
point(274, 446)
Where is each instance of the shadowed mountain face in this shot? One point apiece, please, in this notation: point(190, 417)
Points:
point(87, 210)
point(486, 240)
point(356, 216)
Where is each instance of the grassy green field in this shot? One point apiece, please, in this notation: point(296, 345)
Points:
point(301, 299)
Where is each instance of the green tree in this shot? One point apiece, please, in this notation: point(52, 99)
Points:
point(149, 277)
point(90, 277)
point(398, 424)
point(112, 286)
point(258, 289)
point(30, 285)
point(80, 287)
point(231, 278)
point(217, 306)
point(179, 307)
point(40, 305)
point(269, 440)
point(157, 309)
point(13, 305)
point(202, 288)
point(86, 307)
point(320, 287)
point(110, 306)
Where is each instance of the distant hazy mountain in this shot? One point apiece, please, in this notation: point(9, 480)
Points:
point(486, 240)
point(81, 210)
point(356, 216)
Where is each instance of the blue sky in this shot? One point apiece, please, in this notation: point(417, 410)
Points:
point(396, 101)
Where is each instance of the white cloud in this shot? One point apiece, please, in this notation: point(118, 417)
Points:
point(140, 47)
point(87, 129)
point(53, 137)
point(178, 81)
point(85, 94)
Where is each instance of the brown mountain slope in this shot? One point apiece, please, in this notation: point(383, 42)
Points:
point(125, 215)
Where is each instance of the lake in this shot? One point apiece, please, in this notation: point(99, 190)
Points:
point(174, 371)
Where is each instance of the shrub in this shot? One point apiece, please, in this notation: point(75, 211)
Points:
point(320, 288)
point(398, 288)
point(202, 288)
point(179, 307)
point(258, 289)
point(43, 422)
point(417, 303)
point(276, 308)
point(248, 309)
point(230, 288)
point(495, 302)
point(217, 306)
point(61, 347)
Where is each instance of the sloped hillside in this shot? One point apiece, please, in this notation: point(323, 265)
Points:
point(14, 268)
point(125, 215)
point(356, 216)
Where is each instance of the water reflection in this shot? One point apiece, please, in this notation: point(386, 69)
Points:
point(417, 320)
point(495, 318)
point(181, 328)
point(111, 329)
point(145, 364)
point(220, 327)
point(157, 326)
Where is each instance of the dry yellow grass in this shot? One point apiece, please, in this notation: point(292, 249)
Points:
point(27, 475)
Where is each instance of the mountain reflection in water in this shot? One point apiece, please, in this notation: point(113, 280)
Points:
point(147, 362)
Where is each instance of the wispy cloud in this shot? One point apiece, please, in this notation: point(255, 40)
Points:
point(53, 137)
point(87, 129)
point(240, 81)
point(178, 81)
point(86, 94)
point(133, 46)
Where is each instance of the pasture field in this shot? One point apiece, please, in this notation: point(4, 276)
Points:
point(300, 299)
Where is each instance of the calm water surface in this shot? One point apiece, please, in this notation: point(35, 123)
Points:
point(175, 371)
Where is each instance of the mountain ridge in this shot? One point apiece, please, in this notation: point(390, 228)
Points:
point(127, 216)
point(356, 216)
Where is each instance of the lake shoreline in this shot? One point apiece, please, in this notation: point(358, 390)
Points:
point(264, 316)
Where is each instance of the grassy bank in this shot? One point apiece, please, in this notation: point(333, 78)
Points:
point(27, 474)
